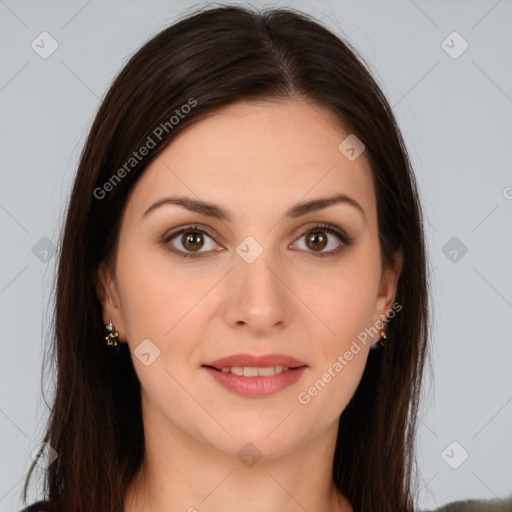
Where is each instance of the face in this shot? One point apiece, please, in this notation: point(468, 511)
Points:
point(254, 275)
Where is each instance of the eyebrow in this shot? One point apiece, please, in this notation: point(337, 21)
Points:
point(216, 211)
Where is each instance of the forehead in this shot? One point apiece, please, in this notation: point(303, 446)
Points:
point(256, 155)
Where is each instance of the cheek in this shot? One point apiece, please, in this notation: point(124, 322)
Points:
point(346, 380)
point(336, 375)
point(155, 292)
point(157, 302)
point(343, 300)
point(345, 304)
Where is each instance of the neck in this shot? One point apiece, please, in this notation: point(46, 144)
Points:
point(181, 472)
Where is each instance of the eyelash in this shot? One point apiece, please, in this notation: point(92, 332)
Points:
point(329, 228)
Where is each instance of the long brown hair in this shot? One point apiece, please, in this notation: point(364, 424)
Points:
point(209, 59)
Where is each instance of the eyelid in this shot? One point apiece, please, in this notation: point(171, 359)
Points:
point(331, 229)
point(166, 239)
point(327, 226)
point(312, 226)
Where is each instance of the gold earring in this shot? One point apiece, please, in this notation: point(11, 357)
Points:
point(383, 334)
point(113, 335)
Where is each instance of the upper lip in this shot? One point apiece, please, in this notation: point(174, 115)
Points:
point(248, 360)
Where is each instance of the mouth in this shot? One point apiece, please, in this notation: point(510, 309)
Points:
point(254, 371)
point(255, 376)
point(249, 361)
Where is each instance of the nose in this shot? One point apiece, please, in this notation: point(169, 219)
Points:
point(257, 297)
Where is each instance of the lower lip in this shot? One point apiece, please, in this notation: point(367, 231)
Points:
point(256, 387)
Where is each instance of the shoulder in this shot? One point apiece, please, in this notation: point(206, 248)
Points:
point(40, 506)
point(477, 506)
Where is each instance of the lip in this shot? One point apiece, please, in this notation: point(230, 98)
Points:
point(256, 361)
point(256, 387)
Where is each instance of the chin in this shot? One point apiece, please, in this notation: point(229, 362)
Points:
point(252, 443)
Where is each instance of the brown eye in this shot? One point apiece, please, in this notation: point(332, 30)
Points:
point(316, 240)
point(323, 236)
point(192, 241)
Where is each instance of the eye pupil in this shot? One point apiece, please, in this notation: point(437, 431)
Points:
point(318, 239)
point(193, 240)
point(190, 239)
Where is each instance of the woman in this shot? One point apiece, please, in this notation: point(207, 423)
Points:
point(242, 297)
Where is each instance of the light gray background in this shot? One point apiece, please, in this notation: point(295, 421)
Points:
point(456, 117)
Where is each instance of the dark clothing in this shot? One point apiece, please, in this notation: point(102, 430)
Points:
point(40, 506)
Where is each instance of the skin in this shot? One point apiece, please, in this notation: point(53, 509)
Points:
point(255, 159)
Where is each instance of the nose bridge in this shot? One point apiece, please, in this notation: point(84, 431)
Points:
point(256, 296)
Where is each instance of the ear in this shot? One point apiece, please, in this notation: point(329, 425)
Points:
point(108, 296)
point(388, 286)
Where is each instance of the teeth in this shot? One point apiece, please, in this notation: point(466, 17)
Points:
point(250, 372)
point(253, 371)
